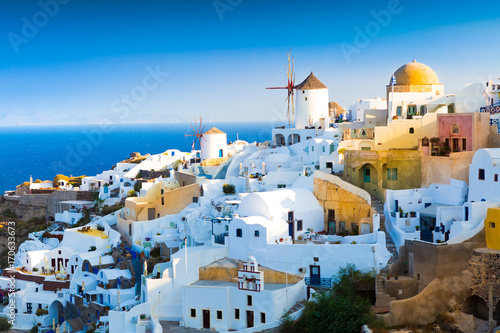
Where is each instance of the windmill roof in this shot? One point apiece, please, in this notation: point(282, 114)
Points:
point(213, 130)
point(311, 82)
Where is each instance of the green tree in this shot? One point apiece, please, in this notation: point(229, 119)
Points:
point(4, 324)
point(228, 189)
point(340, 309)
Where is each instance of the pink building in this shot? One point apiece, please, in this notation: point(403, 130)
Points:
point(463, 131)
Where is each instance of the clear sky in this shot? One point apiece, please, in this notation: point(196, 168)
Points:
point(85, 61)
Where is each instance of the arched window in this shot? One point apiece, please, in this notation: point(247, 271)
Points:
point(451, 108)
point(455, 129)
point(412, 130)
point(423, 110)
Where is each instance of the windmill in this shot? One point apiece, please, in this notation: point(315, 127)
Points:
point(290, 87)
point(197, 132)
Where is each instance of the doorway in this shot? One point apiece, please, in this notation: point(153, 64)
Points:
point(250, 320)
point(291, 229)
point(366, 175)
point(151, 213)
point(206, 319)
point(315, 275)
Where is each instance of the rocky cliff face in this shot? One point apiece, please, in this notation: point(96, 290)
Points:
point(24, 212)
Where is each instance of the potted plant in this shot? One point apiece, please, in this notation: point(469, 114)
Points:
point(388, 277)
point(417, 228)
point(413, 214)
point(396, 277)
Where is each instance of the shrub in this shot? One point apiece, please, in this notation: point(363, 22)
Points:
point(92, 248)
point(132, 193)
point(100, 227)
point(339, 309)
point(57, 178)
point(9, 213)
point(4, 324)
point(35, 269)
point(287, 325)
point(138, 186)
point(155, 253)
point(41, 312)
point(108, 210)
point(228, 189)
point(34, 329)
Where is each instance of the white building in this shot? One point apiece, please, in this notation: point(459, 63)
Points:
point(484, 171)
point(70, 212)
point(248, 303)
point(213, 144)
point(357, 110)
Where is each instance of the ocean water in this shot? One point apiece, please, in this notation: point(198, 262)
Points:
point(44, 151)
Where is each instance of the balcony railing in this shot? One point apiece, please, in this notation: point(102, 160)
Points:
point(324, 282)
point(492, 109)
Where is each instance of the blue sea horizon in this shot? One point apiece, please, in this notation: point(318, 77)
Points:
point(44, 151)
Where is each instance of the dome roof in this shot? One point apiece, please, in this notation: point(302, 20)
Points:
point(415, 73)
point(213, 130)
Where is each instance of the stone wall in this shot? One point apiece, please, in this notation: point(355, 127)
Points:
point(185, 179)
point(350, 203)
point(214, 161)
point(440, 169)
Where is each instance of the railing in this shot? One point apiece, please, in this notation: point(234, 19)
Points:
point(220, 239)
point(492, 109)
point(495, 122)
point(324, 282)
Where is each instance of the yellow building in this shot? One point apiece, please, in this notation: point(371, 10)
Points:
point(492, 228)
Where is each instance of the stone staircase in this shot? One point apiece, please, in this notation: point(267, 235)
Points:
point(296, 307)
point(383, 298)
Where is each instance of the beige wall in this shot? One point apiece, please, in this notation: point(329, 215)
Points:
point(407, 163)
point(174, 200)
point(397, 133)
point(440, 169)
point(351, 204)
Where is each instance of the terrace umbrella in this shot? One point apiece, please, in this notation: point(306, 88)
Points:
point(118, 297)
point(83, 287)
point(58, 330)
point(61, 268)
point(145, 268)
point(54, 324)
point(46, 266)
point(100, 261)
point(64, 328)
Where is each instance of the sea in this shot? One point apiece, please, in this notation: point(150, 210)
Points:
point(44, 151)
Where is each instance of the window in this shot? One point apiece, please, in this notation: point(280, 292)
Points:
point(193, 313)
point(219, 315)
point(480, 175)
point(281, 185)
point(239, 232)
point(262, 317)
point(305, 98)
point(162, 191)
point(412, 110)
point(464, 144)
point(412, 130)
point(162, 201)
point(316, 259)
point(331, 215)
point(324, 149)
point(237, 314)
point(423, 110)
point(492, 225)
point(257, 234)
point(128, 211)
point(341, 226)
point(312, 148)
point(130, 229)
point(249, 300)
point(399, 110)
point(290, 216)
point(195, 199)
point(496, 177)
point(455, 129)
point(299, 225)
point(392, 174)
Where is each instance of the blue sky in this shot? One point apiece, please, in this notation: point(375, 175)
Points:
point(81, 59)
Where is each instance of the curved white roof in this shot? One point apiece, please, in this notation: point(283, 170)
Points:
point(492, 153)
point(276, 204)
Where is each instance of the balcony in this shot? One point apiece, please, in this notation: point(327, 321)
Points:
point(492, 109)
point(323, 282)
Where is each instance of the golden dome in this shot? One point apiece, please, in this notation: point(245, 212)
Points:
point(415, 73)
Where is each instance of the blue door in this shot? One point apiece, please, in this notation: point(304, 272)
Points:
point(366, 174)
point(291, 229)
point(315, 275)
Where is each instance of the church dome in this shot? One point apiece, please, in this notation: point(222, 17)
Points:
point(415, 73)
